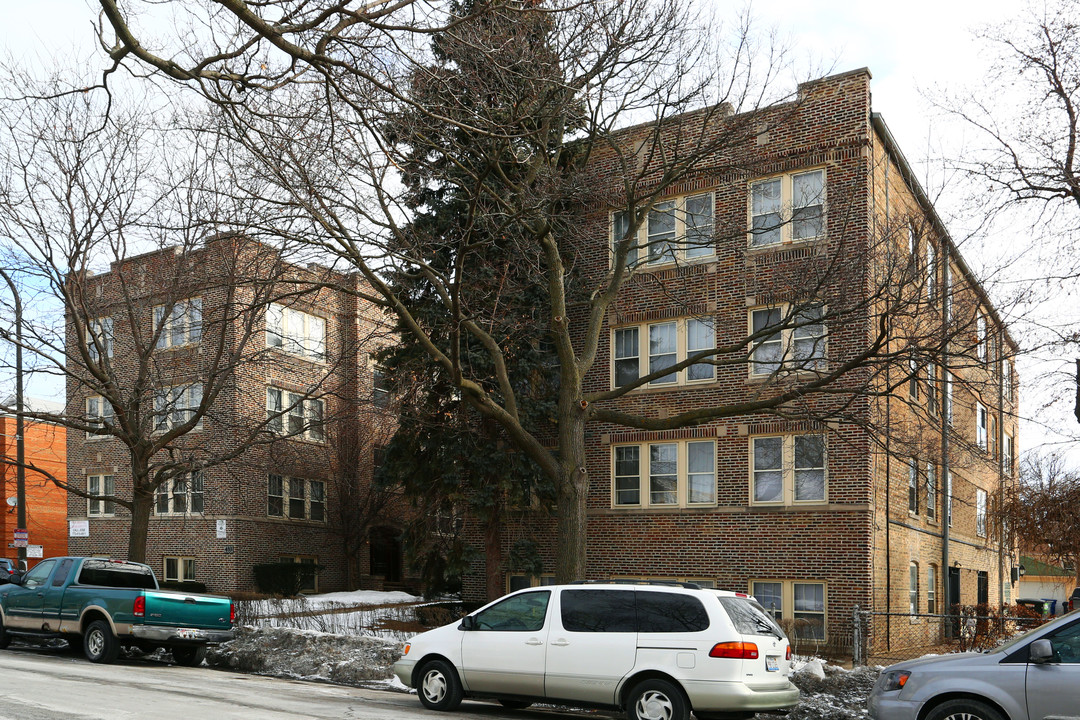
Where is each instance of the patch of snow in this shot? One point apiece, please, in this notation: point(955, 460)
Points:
point(359, 597)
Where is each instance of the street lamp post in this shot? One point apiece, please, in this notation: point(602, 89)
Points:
point(20, 448)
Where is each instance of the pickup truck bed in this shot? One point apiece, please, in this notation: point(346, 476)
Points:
point(105, 604)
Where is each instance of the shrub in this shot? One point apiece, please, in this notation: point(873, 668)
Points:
point(284, 579)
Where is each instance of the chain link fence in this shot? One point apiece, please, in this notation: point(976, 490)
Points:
point(882, 638)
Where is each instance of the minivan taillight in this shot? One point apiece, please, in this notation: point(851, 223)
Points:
point(787, 655)
point(139, 609)
point(232, 617)
point(737, 650)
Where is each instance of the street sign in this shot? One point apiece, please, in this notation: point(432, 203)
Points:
point(22, 537)
point(35, 551)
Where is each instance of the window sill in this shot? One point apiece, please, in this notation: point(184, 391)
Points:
point(667, 509)
point(752, 249)
point(668, 387)
point(761, 379)
point(305, 358)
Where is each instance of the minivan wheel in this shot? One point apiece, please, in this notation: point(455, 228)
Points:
point(439, 687)
point(657, 700)
point(964, 709)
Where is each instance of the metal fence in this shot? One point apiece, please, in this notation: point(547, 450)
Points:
point(881, 638)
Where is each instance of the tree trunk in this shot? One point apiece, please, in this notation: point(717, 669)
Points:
point(142, 504)
point(572, 491)
point(493, 557)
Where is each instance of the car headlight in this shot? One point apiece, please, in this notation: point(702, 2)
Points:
point(894, 680)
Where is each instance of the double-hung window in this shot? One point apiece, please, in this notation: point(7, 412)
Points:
point(913, 486)
point(931, 389)
point(787, 208)
point(931, 589)
point(380, 388)
point(99, 338)
point(680, 229)
point(913, 589)
point(980, 512)
point(641, 350)
point(664, 474)
point(179, 569)
point(802, 604)
point(1007, 461)
point(931, 490)
point(1007, 380)
point(292, 414)
point(981, 422)
point(181, 495)
point(98, 486)
point(787, 469)
point(99, 412)
point(788, 339)
point(931, 270)
point(295, 332)
point(182, 325)
point(981, 338)
point(177, 405)
point(295, 498)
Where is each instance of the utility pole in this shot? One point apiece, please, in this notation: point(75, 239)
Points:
point(20, 446)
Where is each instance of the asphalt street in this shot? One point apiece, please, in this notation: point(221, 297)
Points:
point(46, 684)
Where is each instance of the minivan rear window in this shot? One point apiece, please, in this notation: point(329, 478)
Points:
point(750, 618)
point(660, 612)
point(598, 611)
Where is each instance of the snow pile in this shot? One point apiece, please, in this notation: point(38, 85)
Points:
point(308, 655)
point(837, 695)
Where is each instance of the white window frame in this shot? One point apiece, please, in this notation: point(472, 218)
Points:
point(981, 338)
point(681, 250)
point(948, 397)
point(931, 589)
point(285, 408)
point(933, 403)
point(798, 331)
point(931, 269)
point(913, 589)
point(981, 422)
point(644, 474)
point(913, 486)
point(681, 352)
point(294, 490)
point(786, 210)
point(101, 330)
point(184, 492)
point(182, 327)
point(931, 491)
point(1007, 379)
point(1007, 451)
point(99, 412)
point(101, 484)
point(176, 405)
point(296, 332)
point(981, 507)
point(184, 566)
point(787, 611)
point(788, 470)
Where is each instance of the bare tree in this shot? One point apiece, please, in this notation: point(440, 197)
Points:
point(539, 118)
point(1042, 511)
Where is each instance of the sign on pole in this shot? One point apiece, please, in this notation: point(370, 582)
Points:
point(21, 537)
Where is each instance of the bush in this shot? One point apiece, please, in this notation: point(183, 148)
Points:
point(188, 586)
point(284, 579)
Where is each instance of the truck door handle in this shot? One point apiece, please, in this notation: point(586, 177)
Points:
point(534, 641)
point(561, 642)
point(41, 594)
point(189, 600)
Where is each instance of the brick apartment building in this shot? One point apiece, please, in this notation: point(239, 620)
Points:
point(46, 504)
point(294, 418)
point(844, 504)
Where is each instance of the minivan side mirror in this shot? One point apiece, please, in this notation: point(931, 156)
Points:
point(1041, 651)
point(467, 623)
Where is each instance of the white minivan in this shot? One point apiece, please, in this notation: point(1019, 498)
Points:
point(657, 651)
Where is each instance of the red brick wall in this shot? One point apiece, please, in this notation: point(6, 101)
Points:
point(46, 504)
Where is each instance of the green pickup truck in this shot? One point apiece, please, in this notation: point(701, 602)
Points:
point(104, 604)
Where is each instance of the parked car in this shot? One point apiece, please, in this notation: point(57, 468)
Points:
point(1074, 599)
point(103, 604)
point(1032, 677)
point(657, 651)
point(7, 569)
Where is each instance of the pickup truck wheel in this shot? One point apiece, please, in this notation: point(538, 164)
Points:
point(99, 644)
point(190, 656)
point(964, 709)
point(657, 699)
point(439, 687)
point(5, 638)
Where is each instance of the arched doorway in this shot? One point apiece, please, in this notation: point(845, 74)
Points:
point(385, 545)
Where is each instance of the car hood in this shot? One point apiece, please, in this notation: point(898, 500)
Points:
point(943, 661)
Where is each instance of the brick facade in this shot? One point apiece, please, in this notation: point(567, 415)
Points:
point(46, 504)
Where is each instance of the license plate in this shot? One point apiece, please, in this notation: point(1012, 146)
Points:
point(186, 634)
point(772, 663)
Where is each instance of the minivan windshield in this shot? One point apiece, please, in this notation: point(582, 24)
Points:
point(750, 618)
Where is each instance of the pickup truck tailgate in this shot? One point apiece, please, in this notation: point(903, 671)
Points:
point(177, 609)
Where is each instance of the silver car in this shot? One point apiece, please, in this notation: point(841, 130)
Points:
point(1035, 676)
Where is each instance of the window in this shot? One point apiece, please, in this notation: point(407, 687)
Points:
point(1008, 461)
point(679, 474)
point(183, 326)
point(309, 580)
point(787, 208)
point(980, 512)
point(175, 406)
point(663, 345)
point(931, 490)
point(913, 589)
point(913, 381)
point(788, 469)
point(598, 611)
point(100, 485)
point(981, 338)
point(948, 397)
point(1007, 380)
point(99, 337)
point(295, 332)
point(665, 612)
point(520, 582)
point(800, 604)
point(913, 486)
point(99, 413)
point(296, 498)
point(948, 287)
point(931, 270)
point(294, 415)
point(179, 569)
point(798, 342)
point(675, 230)
point(980, 426)
point(380, 388)
point(931, 589)
point(38, 574)
point(181, 495)
point(931, 389)
point(519, 613)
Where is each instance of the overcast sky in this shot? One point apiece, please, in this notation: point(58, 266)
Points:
point(910, 47)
